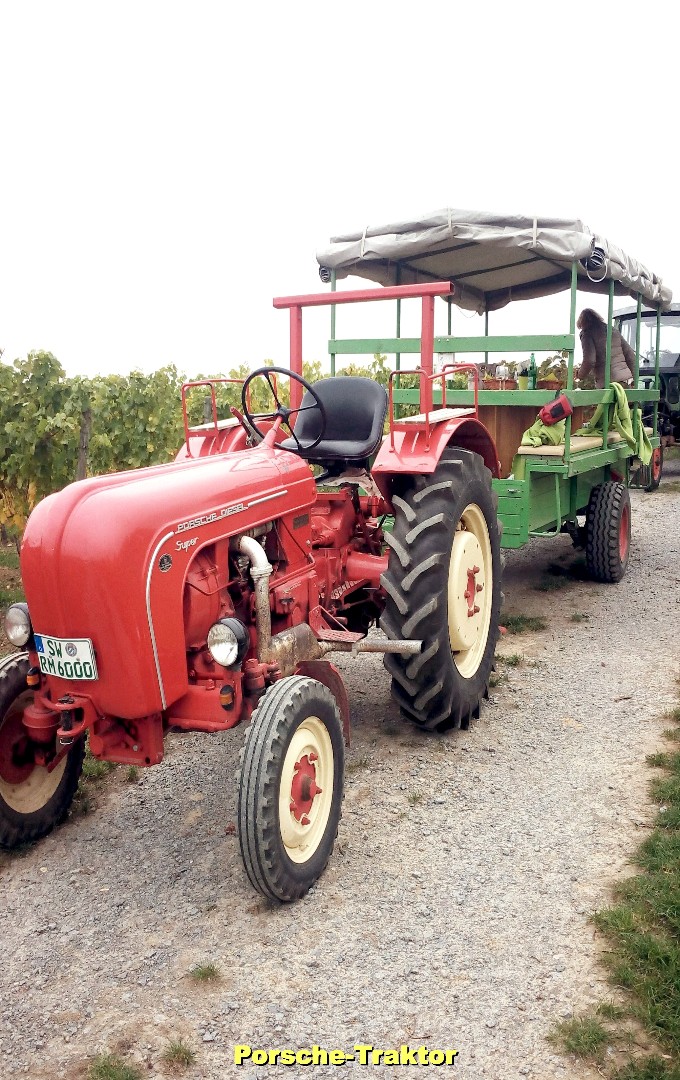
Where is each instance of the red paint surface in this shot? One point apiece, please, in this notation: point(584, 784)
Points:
point(99, 544)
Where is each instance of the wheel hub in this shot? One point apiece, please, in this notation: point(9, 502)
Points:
point(25, 783)
point(656, 464)
point(466, 584)
point(304, 788)
point(471, 592)
point(16, 752)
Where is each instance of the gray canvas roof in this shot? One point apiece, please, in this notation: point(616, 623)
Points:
point(671, 309)
point(491, 258)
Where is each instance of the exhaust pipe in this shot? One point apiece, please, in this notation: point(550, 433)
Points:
point(260, 571)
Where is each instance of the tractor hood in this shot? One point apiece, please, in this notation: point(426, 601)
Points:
point(106, 559)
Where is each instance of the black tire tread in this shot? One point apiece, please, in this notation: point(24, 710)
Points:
point(272, 726)
point(605, 508)
point(426, 687)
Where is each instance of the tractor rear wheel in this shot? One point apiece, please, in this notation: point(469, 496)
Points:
point(608, 531)
point(290, 794)
point(32, 800)
point(443, 584)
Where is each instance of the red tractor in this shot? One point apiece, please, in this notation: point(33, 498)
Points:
point(209, 591)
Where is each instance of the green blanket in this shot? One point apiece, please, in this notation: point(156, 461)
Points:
point(622, 422)
point(540, 434)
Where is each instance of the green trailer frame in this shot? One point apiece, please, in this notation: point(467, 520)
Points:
point(539, 493)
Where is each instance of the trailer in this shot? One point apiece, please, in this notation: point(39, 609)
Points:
point(580, 485)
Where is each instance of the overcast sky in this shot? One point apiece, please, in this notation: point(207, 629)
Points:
point(168, 168)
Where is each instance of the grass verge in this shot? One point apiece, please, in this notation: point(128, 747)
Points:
point(513, 660)
point(642, 935)
point(550, 584)
point(178, 1055)
point(355, 765)
point(94, 771)
point(520, 624)
point(203, 973)
point(12, 594)
point(11, 588)
point(112, 1067)
point(9, 557)
point(579, 616)
point(583, 1036)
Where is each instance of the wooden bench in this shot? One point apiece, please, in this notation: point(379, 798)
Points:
point(582, 442)
point(577, 445)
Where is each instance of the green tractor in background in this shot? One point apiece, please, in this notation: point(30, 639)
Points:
point(668, 416)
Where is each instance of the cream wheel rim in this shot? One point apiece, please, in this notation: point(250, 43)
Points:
point(470, 591)
point(306, 789)
point(24, 789)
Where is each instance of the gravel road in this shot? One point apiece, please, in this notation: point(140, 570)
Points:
point(455, 910)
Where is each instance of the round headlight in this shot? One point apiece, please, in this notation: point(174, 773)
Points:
point(18, 624)
point(228, 642)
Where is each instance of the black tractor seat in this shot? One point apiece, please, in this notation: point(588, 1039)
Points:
point(355, 415)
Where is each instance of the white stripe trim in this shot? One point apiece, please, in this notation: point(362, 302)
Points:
point(159, 545)
point(266, 498)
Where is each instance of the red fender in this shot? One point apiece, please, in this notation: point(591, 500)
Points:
point(408, 452)
point(325, 672)
point(205, 443)
point(228, 438)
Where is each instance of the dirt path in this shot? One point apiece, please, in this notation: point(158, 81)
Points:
point(455, 911)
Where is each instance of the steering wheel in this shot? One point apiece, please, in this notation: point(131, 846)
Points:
point(282, 410)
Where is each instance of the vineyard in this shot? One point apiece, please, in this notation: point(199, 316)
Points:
point(55, 429)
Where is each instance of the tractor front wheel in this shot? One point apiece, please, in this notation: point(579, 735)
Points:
point(443, 585)
point(32, 800)
point(291, 788)
point(608, 531)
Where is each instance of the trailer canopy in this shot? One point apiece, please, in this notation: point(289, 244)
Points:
point(491, 258)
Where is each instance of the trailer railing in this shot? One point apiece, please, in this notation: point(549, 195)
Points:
point(490, 345)
point(412, 423)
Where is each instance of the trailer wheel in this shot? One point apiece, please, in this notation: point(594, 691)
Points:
point(291, 788)
point(32, 800)
point(608, 531)
point(443, 584)
point(654, 469)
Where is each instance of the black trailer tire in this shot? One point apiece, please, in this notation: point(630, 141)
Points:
point(654, 469)
point(443, 585)
point(608, 531)
point(32, 800)
point(291, 787)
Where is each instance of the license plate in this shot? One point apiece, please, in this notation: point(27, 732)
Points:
point(67, 658)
